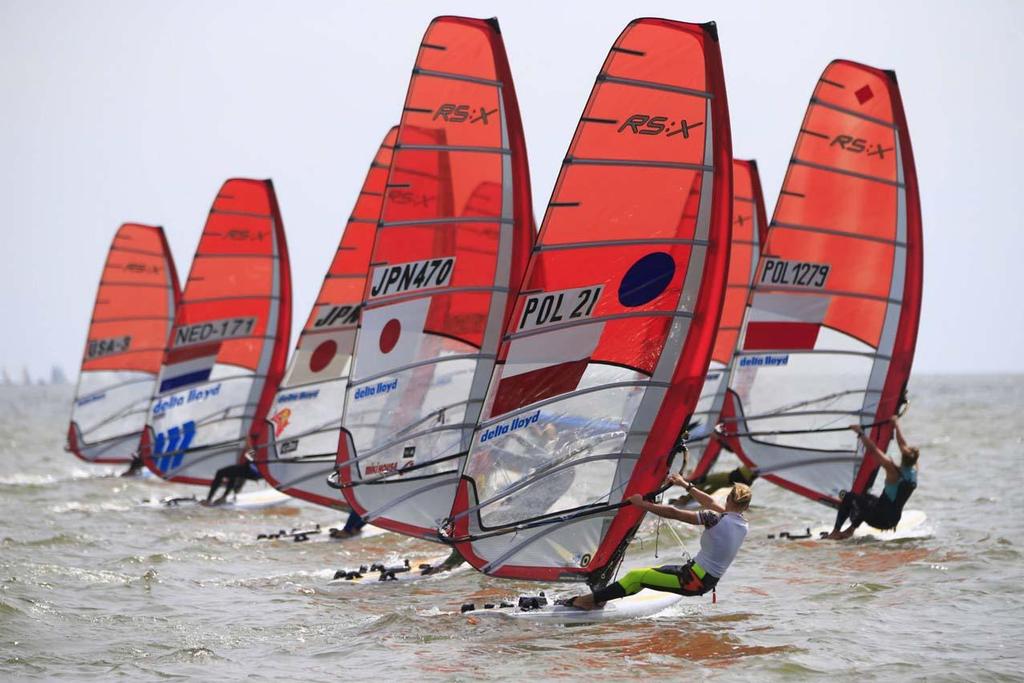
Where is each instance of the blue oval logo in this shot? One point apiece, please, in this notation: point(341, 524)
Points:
point(646, 279)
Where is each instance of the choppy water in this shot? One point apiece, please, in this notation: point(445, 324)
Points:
point(92, 586)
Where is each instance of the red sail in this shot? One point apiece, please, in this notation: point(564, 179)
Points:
point(450, 251)
point(831, 324)
point(610, 338)
point(228, 349)
point(749, 227)
point(131, 320)
point(305, 419)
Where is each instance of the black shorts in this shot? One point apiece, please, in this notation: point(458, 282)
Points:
point(876, 512)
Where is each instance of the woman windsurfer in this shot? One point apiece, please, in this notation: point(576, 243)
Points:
point(885, 511)
point(724, 531)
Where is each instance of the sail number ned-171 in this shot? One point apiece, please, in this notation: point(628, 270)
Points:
point(213, 331)
point(776, 271)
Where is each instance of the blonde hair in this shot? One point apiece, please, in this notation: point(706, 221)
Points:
point(741, 495)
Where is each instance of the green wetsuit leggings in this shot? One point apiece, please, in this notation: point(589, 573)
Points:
point(672, 578)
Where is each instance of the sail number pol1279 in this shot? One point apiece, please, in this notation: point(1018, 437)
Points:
point(776, 271)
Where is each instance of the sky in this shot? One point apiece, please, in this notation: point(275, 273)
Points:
point(138, 111)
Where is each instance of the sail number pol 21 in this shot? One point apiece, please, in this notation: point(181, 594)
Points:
point(551, 308)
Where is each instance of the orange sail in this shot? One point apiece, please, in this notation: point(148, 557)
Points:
point(831, 324)
point(749, 226)
point(227, 351)
point(305, 418)
point(605, 354)
point(132, 317)
point(450, 252)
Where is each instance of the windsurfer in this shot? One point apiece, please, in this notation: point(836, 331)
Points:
point(233, 477)
point(135, 467)
point(885, 511)
point(724, 531)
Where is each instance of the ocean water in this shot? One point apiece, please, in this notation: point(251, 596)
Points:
point(94, 586)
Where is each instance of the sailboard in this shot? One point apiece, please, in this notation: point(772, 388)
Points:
point(646, 603)
point(749, 225)
point(913, 524)
point(610, 338)
point(305, 418)
point(260, 499)
point(131, 320)
point(450, 250)
point(227, 351)
point(830, 327)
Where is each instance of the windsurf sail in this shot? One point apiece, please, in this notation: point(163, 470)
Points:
point(830, 328)
point(605, 354)
point(227, 351)
point(451, 248)
point(131, 319)
point(305, 418)
point(749, 226)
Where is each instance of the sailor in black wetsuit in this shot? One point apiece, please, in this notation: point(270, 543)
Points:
point(233, 477)
point(135, 468)
point(885, 511)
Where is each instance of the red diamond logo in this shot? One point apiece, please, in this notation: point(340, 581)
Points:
point(864, 94)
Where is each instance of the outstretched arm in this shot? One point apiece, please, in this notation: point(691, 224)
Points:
point(666, 511)
point(904, 447)
point(703, 499)
point(892, 473)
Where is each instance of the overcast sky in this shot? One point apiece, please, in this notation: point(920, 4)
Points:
point(138, 111)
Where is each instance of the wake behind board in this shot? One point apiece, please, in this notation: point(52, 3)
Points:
point(252, 500)
point(400, 571)
point(913, 524)
point(646, 603)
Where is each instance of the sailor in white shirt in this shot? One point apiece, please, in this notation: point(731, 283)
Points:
point(724, 531)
